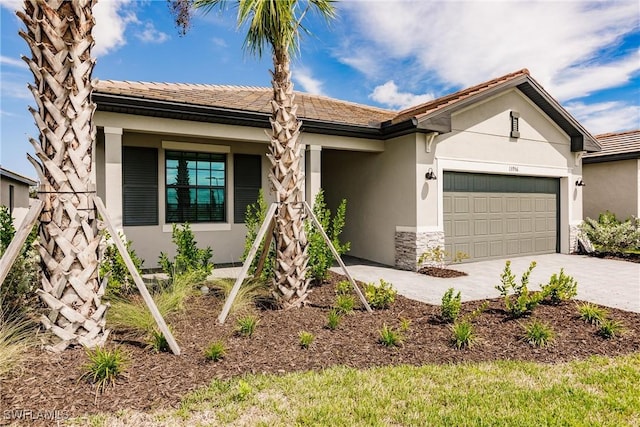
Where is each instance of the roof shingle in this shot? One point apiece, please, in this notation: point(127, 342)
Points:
point(617, 144)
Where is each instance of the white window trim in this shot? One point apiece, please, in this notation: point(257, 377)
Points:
point(190, 147)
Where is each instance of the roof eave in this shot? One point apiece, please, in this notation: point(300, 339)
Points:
point(612, 157)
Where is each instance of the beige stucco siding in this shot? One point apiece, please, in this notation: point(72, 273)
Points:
point(612, 186)
point(20, 193)
point(380, 193)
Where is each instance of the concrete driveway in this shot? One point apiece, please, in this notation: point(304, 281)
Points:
point(606, 282)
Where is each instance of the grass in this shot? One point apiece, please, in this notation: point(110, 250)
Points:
point(246, 326)
point(252, 292)
point(104, 366)
point(591, 313)
point(596, 391)
point(215, 352)
point(16, 337)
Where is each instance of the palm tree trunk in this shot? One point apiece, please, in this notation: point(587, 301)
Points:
point(59, 36)
point(290, 282)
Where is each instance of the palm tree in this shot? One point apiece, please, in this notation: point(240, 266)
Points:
point(277, 24)
point(59, 36)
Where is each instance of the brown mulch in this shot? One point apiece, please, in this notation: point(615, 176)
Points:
point(53, 382)
point(443, 273)
point(630, 257)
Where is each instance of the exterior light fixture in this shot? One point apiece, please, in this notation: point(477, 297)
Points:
point(430, 175)
point(580, 183)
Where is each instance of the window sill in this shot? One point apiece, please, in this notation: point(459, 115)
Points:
point(223, 226)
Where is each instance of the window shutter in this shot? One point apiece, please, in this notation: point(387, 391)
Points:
point(140, 186)
point(247, 181)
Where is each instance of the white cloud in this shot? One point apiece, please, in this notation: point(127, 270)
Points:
point(219, 42)
point(112, 18)
point(10, 88)
point(309, 84)
point(566, 45)
point(605, 117)
point(152, 35)
point(389, 95)
point(12, 5)
point(12, 62)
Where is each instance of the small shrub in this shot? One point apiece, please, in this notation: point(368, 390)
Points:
point(389, 337)
point(439, 258)
point(561, 287)
point(610, 235)
point(112, 266)
point(380, 296)
point(450, 306)
point(523, 301)
point(189, 258)
point(215, 352)
point(158, 342)
point(610, 328)
point(333, 319)
point(463, 335)
point(246, 326)
point(405, 324)
point(345, 304)
point(537, 333)
point(343, 287)
point(253, 218)
point(592, 313)
point(320, 255)
point(306, 338)
point(104, 366)
point(477, 312)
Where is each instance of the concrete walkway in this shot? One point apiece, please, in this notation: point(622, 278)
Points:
point(606, 282)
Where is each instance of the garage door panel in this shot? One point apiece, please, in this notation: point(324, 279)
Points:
point(499, 224)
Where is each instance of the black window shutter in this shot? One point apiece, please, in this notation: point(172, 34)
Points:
point(140, 186)
point(247, 181)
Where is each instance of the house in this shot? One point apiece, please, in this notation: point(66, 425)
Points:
point(612, 176)
point(489, 170)
point(14, 193)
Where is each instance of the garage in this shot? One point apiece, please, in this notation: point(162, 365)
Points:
point(496, 216)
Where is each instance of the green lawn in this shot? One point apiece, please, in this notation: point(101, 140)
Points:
point(598, 391)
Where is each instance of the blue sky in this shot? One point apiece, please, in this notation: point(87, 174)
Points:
point(391, 54)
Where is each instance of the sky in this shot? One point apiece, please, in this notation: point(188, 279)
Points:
point(390, 54)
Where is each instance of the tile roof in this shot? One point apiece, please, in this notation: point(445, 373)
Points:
point(447, 100)
point(619, 143)
point(247, 98)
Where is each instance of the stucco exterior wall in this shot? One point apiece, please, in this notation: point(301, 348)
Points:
point(20, 192)
point(612, 186)
point(380, 193)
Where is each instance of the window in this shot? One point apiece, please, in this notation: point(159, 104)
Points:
point(139, 186)
point(247, 181)
point(195, 187)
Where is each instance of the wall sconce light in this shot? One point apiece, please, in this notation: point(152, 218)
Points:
point(580, 183)
point(430, 176)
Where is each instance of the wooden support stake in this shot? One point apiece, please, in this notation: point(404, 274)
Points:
point(14, 248)
point(268, 222)
point(265, 250)
point(102, 210)
point(337, 256)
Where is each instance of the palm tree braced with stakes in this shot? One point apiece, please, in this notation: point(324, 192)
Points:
point(59, 36)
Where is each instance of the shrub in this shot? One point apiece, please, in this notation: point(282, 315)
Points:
point(343, 287)
point(591, 313)
point(252, 293)
point(345, 304)
point(560, 288)
point(320, 255)
point(17, 292)
point(380, 296)
point(189, 258)
point(253, 218)
point(608, 234)
point(522, 302)
point(333, 319)
point(16, 338)
point(537, 333)
point(306, 338)
point(440, 258)
point(158, 342)
point(389, 337)
point(112, 266)
point(104, 366)
point(246, 325)
point(215, 352)
point(405, 324)
point(450, 305)
point(610, 328)
point(463, 334)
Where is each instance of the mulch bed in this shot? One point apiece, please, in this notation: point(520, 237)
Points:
point(52, 382)
point(443, 273)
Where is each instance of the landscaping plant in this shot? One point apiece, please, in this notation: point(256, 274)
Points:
point(343, 287)
point(320, 255)
point(610, 328)
point(16, 338)
point(561, 287)
point(104, 366)
point(538, 333)
point(450, 306)
point(215, 351)
point(189, 258)
point(609, 235)
point(463, 335)
point(345, 304)
point(158, 342)
point(112, 266)
point(333, 319)
point(592, 313)
point(306, 339)
point(389, 337)
point(518, 300)
point(246, 326)
point(440, 258)
point(253, 218)
point(253, 293)
point(380, 296)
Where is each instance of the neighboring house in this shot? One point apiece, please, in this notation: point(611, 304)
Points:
point(14, 193)
point(505, 155)
point(612, 176)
